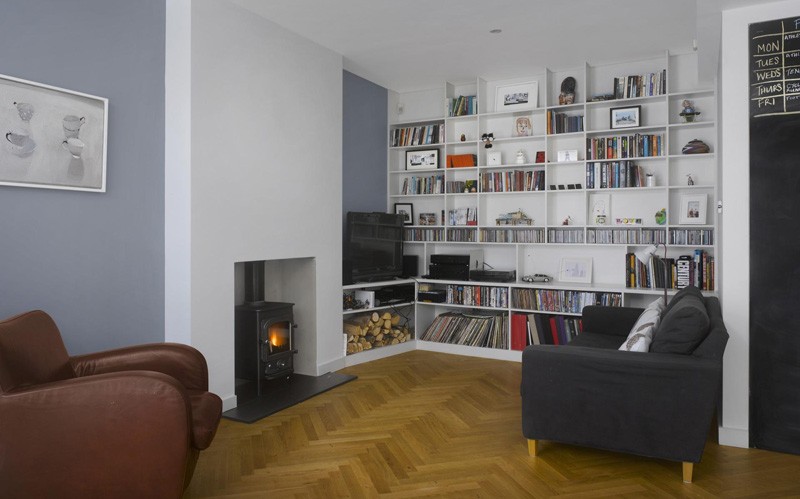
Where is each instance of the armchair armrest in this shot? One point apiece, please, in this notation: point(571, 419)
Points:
point(110, 435)
point(650, 404)
point(610, 320)
point(182, 362)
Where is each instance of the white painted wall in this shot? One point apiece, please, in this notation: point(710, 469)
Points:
point(736, 229)
point(265, 151)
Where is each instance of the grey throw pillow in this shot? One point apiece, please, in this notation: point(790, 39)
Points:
point(683, 327)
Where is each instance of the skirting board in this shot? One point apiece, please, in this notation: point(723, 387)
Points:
point(734, 437)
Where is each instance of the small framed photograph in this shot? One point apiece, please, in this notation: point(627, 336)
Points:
point(522, 126)
point(517, 97)
point(576, 270)
point(406, 210)
point(422, 159)
point(427, 218)
point(568, 155)
point(626, 117)
point(540, 156)
point(693, 209)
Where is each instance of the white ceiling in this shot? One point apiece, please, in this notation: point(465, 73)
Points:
point(414, 44)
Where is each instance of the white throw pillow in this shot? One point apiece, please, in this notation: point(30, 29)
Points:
point(641, 334)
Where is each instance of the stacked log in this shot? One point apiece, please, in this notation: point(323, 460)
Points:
point(376, 330)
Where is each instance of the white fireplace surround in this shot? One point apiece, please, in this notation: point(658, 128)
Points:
point(250, 175)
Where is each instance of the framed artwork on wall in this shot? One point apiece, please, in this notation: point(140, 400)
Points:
point(53, 138)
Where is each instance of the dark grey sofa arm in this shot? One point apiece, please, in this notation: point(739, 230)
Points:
point(610, 320)
point(649, 404)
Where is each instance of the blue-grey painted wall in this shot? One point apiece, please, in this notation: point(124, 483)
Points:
point(364, 140)
point(95, 262)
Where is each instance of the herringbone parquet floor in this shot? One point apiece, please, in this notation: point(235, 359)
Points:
point(425, 424)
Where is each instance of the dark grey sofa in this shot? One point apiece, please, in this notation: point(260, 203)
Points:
point(650, 404)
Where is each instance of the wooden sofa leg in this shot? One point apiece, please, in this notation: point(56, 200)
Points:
point(532, 447)
point(687, 472)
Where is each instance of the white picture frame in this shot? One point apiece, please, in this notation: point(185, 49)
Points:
point(693, 209)
point(53, 138)
point(575, 269)
point(516, 96)
point(567, 155)
point(601, 209)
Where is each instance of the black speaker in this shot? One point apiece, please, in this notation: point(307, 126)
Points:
point(410, 265)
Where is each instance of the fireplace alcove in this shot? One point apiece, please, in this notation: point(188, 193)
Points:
point(275, 338)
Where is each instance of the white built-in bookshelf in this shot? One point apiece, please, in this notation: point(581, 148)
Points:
point(549, 191)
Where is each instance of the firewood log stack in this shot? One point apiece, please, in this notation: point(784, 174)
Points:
point(376, 330)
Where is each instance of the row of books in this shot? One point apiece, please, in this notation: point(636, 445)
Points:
point(700, 237)
point(614, 175)
point(433, 184)
point(516, 181)
point(478, 296)
point(474, 329)
point(563, 123)
point(423, 235)
point(463, 105)
point(463, 216)
point(565, 235)
point(521, 235)
point(562, 300)
point(625, 146)
point(539, 329)
point(696, 269)
point(626, 236)
point(416, 135)
point(645, 85)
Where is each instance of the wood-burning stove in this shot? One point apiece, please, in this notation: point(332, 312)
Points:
point(263, 334)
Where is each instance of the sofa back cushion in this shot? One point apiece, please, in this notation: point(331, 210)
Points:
point(31, 352)
point(641, 334)
point(683, 326)
point(680, 295)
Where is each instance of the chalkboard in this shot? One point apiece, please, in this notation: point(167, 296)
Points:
point(775, 67)
point(775, 235)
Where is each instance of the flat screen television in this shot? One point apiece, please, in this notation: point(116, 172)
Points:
point(373, 249)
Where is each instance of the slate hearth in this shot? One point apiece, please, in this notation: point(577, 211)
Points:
point(280, 394)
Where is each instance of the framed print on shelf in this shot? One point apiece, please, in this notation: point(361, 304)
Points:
point(406, 210)
point(693, 209)
point(576, 270)
point(516, 97)
point(522, 126)
point(626, 117)
point(422, 159)
point(53, 138)
point(427, 219)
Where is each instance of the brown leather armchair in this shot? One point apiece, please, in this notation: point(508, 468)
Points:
point(123, 423)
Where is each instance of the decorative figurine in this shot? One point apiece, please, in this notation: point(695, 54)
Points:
point(689, 179)
point(463, 138)
point(567, 95)
point(661, 216)
point(688, 114)
point(695, 146)
point(567, 221)
point(520, 157)
point(487, 139)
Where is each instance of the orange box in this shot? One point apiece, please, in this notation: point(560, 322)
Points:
point(461, 160)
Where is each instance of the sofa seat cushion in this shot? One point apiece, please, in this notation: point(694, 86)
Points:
point(206, 411)
point(683, 327)
point(595, 340)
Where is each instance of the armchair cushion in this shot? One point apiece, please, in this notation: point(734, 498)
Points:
point(206, 410)
point(682, 328)
point(32, 352)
